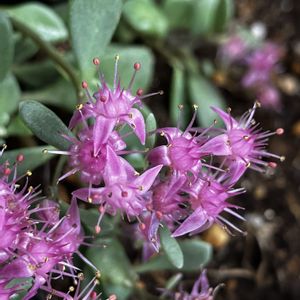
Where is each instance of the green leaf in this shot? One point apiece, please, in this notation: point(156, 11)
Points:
point(41, 19)
point(25, 48)
point(92, 24)
point(6, 45)
point(33, 158)
point(60, 93)
point(145, 17)
point(45, 124)
point(9, 98)
point(26, 284)
point(204, 94)
point(211, 16)
point(178, 13)
point(36, 74)
point(171, 247)
point(116, 270)
point(16, 127)
point(128, 56)
point(177, 95)
point(196, 254)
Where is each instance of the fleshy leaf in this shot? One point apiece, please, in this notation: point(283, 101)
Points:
point(6, 45)
point(92, 24)
point(171, 247)
point(45, 124)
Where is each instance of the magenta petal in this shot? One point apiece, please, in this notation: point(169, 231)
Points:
point(159, 155)
point(217, 146)
point(84, 193)
point(115, 171)
point(16, 269)
point(103, 128)
point(139, 124)
point(147, 178)
point(227, 119)
point(196, 220)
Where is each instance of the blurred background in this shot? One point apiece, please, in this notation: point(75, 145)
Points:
point(206, 52)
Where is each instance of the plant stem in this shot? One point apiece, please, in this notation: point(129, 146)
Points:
point(51, 52)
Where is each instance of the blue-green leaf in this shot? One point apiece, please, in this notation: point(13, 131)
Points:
point(6, 45)
point(41, 19)
point(211, 16)
point(171, 247)
point(115, 268)
point(196, 254)
point(45, 124)
point(146, 17)
point(33, 158)
point(204, 94)
point(9, 100)
point(92, 24)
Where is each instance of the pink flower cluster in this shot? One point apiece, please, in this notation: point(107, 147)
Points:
point(261, 63)
point(37, 246)
point(199, 166)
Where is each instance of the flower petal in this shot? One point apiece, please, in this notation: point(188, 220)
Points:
point(147, 178)
point(229, 121)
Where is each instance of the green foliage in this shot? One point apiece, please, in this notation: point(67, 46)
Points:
point(33, 158)
point(171, 247)
point(92, 25)
point(6, 45)
point(45, 124)
point(145, 17)
point(117, 274)
point(205, 95)
point(41, 19)
point(196, 254)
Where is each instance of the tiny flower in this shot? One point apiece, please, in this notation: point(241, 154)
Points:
point(233, 49)
point(123, 190)
point(201, 290)
point(269, 97)
point(208, 199)
point(242, 143)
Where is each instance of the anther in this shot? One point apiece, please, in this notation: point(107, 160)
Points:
point(124, 194)
point(49, 297)
point(180, 106)
point(112, 297)
point(97, 229)
point(79, 106)
point(248, 164)
point(98, 274)
point(141, 188)
point(162, 133)
point(101, 209)
point(20, 158)
point(272, 164)
point(81, 276)
point(246, 137)
point(117, 57)
point(139, 92)
point(282, 158)
point(103, 98)
point(257, 104)
point(136, 173)
point(71, 289)
point(279, 131)
point(159, 215)
point(7, 171)
point(93, 295)
point(96, 61)
point(4, 146)
point(229, 110)
point(90, 199)
point(142, 226)
point(45, 151)
point(28, 173)
point(195, 106)
point(137, 66)
point(84, 85)
point(161, 92)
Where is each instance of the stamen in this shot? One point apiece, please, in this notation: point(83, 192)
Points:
point(117, 57)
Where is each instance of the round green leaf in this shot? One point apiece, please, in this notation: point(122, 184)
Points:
point(6, 45)
point(45, 124)
point(92, 24)
point(196, 254)
point(211, 16)
point(33, 158)
point(41, 19)
point(145, 17)
point(9, 100)
point(171, 247)
point(116, 270)
point(205, 95)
